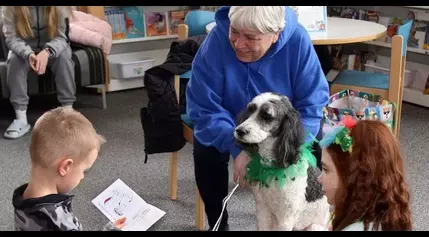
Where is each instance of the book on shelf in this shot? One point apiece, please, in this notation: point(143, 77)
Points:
point(156, 23)
point(392, 27)
point(134, 22)
point(371, 15)
point(418, 34)
point(339, 59)
point(426, 41)
point(418, 31)
point(175, 18)
point(313, 18)
point(130, 22)
point(361, 57)
point(115, 17)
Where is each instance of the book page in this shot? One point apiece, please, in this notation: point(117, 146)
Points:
point(120, 200)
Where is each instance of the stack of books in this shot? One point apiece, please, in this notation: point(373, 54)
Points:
point(131, 22)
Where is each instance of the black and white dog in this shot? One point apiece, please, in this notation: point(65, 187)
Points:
point(272, 127)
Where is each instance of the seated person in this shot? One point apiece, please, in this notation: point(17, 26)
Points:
point(36, 37)
point(363, 178)
point(64, 144)
point(252, 49)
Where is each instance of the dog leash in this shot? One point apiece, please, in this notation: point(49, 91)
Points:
point(225, 200)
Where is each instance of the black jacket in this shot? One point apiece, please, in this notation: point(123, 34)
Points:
point(52, 212)
point(161, 121)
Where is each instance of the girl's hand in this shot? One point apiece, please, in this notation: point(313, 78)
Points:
point(42, 61)
point(32, 59)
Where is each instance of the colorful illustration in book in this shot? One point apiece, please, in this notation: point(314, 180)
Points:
point(117, 202)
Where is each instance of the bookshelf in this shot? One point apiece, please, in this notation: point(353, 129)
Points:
point(141, 39)
point(156, 47)
point(417, 58)
point(387, 45)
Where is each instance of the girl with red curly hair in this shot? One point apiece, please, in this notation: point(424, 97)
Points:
point(363, 178)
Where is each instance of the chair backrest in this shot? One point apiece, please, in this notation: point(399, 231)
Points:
point(195, 24)
point(197, 21)
point(182, 32)
point(404, 31)
point(397, 70)
point(396, 81)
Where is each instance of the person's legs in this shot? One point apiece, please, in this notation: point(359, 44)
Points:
point(211, 175)
point(17, 71)
point(63, 69)
point(325, 58)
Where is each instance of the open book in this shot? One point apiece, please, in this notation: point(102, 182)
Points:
point(120, 200)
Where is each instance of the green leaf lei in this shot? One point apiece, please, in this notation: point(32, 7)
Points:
point(264, 174)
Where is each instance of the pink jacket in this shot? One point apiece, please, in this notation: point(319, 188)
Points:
point(89, 30)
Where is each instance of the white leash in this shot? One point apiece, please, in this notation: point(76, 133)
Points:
point(225, 200)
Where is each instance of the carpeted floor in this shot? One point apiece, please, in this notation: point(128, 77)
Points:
point(122, 157)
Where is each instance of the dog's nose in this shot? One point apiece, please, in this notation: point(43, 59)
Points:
point(241, 131)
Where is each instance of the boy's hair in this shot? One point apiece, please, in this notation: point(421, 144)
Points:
point(62, 133)
point(372, 185)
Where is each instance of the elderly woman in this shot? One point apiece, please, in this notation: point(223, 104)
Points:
point(253, 49)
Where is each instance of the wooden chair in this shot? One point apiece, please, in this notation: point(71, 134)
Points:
point(390, 86)
point(195, 20)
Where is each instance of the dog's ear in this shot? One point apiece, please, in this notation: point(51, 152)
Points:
point(289, 139)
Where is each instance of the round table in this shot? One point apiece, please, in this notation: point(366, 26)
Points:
point(343, 31)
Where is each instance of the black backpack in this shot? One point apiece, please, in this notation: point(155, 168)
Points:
point(161, 121)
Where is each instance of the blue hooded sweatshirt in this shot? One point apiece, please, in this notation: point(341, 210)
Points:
point(221, 86)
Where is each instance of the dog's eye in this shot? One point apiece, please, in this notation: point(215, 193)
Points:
point(251, 108)
point(266, 116)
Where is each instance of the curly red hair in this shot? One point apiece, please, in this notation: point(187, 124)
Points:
point(372, 181)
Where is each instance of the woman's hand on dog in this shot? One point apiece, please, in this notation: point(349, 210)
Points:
point(240, 164)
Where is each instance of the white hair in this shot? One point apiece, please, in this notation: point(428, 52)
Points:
point(264, 19)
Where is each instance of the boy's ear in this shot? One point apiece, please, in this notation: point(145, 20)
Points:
point(65, 166)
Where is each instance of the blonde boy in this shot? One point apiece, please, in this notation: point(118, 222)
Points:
point(64, 144)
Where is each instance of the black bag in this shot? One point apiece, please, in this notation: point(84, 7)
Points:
point(162, 132)
point(161, 120)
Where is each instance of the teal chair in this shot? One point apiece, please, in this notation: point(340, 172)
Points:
point(389, 86)
point(195, 24)
point(197, 20)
